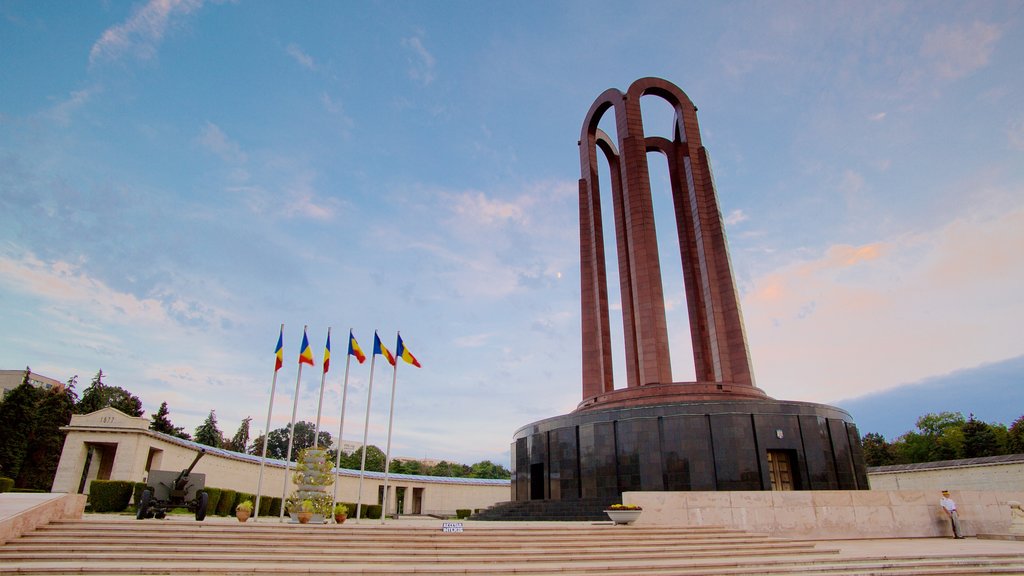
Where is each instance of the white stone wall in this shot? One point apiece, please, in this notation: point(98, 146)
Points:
point(825, 514)
point(224, 469)
point(1002, 476)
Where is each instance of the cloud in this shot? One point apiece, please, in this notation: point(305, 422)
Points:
point(959, 50)
point(212, 138)
point(61, 113)
point(735, 217)
point(477, 207)
point(877, 117)
point(304, 60)
point(894, 311)
point(422, 63)
point(141, 34)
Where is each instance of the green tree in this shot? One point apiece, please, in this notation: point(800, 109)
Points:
point(277, 441)
point(207, 433)
point(161, 422)
point(98, 396)
point(980, 439)
point(940, 437)
point(17, 425)
point(53, 411)
point(240, 441)
point(1015, 438)
point(488, 469)
point(877, 452)
point(374, 458)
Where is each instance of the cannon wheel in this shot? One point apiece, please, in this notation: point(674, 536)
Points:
point(202, 499)
point(143, 507)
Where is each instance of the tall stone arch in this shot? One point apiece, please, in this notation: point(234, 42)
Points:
point(721, 356)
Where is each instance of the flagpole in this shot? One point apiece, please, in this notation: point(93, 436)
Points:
point(291, 434)
point(266, 434)
point(387, 455)
point(319, 406)
point(341, 426)
point(366, 432)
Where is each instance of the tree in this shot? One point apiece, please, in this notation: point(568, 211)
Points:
point(1015, 440)
point(877, 452)
point(277, 441)
point(374, 458)
point(17, 424)
point(98, 396)
point(240, 440)
point(207, 433)
point(53, 411)
point(488, 469)
point(162, 423)
point(980, 439)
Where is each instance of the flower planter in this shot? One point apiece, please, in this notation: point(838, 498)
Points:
point(340, 518)
point(242, 515)
point(623, 516)
point(304, 517)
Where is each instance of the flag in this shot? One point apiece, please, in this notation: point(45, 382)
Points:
point(354, 349)
point(327, 353)
point(402, 352)
point(279, 352)
point(305, 355)
point(379, 348)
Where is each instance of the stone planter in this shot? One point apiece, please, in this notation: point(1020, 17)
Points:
point(242, 515)
point(340, 518)
point(623, 516)
point(304, 517)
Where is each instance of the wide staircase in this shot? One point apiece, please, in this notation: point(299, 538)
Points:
point(177, 546)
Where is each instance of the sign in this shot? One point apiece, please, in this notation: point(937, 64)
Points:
point(451, 527)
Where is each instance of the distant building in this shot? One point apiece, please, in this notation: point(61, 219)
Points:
point(11, 379)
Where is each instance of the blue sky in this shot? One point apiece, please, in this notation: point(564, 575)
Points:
point(180, 177)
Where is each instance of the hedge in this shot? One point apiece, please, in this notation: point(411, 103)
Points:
point(6, 484)
point(137, 492)
point(275, 506)
point(265, 503)
point(227, 502)
point(463, 513)
point(110, 495)
point(212, 499)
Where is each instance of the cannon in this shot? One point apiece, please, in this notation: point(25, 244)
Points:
point(168, 489)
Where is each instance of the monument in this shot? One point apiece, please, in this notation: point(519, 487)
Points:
point(720, 432)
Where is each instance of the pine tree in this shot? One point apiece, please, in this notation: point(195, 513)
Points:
point(17, 424)
point(162, 423)
point(52, 412)
point(240, 441)
point(207, 433)
point(98, 396)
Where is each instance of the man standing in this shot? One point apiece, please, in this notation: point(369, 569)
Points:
point(949, 506)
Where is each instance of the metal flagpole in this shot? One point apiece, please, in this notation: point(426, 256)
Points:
point(387, 454)
point(366, 432)
point(323, 379)
point(291, 434)
point(266, 433)
point(341, 425)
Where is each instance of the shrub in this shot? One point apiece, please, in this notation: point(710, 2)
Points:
point(6, 484)
point(110, 495)
point(463, 513)
point(227, 502)
point(372, 511)
point(275, 507)
point(212, 499)
point(242, 497)
point(265, 503)
point(30, 490)
point(137, 492)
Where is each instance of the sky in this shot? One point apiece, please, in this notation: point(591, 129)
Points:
point(179, 178)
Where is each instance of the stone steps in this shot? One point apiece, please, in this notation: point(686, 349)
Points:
point(176, 546)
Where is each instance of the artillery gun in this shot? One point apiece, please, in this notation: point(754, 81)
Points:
point(168, 489)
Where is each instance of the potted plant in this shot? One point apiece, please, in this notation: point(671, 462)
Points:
point(305, 511)
point(340, 513)
point(243, 511)
point(623, 513)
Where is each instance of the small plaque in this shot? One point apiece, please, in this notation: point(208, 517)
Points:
point(451, 527)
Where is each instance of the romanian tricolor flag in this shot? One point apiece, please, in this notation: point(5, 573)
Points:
point(306, 354)
point(379, 348)
point(279, 353)
point(327, 353)
point(354, 349)
point(404, 353)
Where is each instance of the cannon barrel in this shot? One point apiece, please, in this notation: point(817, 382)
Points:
point(182, 479)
